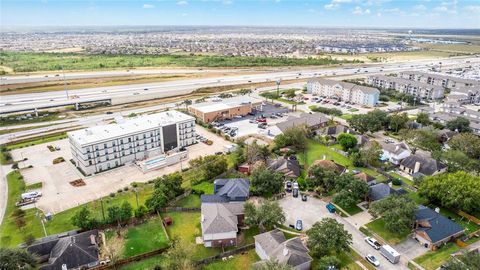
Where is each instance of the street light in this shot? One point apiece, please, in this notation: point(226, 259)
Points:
point(278, 87)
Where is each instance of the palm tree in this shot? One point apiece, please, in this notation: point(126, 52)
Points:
point(17, 259)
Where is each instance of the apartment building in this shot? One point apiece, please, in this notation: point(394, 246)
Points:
point(438, 79)
point(343, 91)
point(415, 88)
point(101, 148)
point(225, 108)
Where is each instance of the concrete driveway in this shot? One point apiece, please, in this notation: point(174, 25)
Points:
point(314, 210)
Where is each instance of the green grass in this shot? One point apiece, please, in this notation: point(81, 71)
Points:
point(28, 62)
point(206, 187)
point(378, 226)
point(434, 259)
point(186, 226)
point(3, 158)
point(191, 201)
point(145, 238)
point(405, 180)
point(465, 223)
point(38, 140)
point(352, 210)
point(238, 262)
point(316, 151)
point(11, 121)
point(145, 264)
point(34, 186)
point(346, 116)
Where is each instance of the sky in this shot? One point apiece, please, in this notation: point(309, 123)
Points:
point(327, 13)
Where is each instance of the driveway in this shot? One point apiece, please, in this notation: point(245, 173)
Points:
point(314, 210)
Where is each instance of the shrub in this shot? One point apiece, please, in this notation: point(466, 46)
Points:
point(397, 181)
point(15, 166)
point(119, 190)
point(29, 239)
point(134, 184)
point(112, 194)
point(125, 188)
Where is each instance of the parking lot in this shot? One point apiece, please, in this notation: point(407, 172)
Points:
point(247, 125)
point(59, 194)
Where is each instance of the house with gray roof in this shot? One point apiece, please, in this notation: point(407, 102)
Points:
point(274, 246)
point(67, 251)
point(422, 165)
point(395, 153)
point(228, 190)
point(381, 190)
point(289, 167)
point(220, 223)
point(432, 229)
point(313, 121)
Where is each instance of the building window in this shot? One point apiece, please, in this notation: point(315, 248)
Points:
point(104, 145)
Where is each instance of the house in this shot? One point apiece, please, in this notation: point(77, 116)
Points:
point(334, 131)
point(381, 190)
point(445, 135)
point(313, 121)
point(289, 167)
point(395, 153)
point(76, 251)
point(433, 229)
point(220, 223)
point(274, 246)
point(417, 164)
point(329, 165)
point(228, 190)
point(370, 180)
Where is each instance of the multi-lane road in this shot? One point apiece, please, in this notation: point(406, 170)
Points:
point(19, 102)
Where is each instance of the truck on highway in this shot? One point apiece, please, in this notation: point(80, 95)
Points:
point(390, 254)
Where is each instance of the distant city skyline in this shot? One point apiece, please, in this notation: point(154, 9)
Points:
point(463, 14)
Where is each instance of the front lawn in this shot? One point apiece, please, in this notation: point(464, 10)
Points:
point(239, 262)
point(205, 187)
point(378, 226)
point(191, 201)
point(145, 238)
point(352, 210)
point(434, 259)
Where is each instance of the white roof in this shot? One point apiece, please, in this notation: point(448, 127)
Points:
point(225, 104)
point(129, 127)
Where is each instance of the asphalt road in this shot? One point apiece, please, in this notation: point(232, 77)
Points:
point(11, 103)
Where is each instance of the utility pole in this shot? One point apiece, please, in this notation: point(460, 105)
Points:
point(278, 87)
point(65, 82)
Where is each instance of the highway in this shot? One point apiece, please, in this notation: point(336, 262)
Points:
point(13, 103)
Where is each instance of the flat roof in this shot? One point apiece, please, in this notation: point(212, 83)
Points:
point(130, 126)
point(225, 104)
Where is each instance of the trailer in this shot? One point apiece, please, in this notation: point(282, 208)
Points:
point(390, 254)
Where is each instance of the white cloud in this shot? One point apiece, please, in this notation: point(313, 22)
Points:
point(419, 7)
point(475, 9)
point(359, 11)
point(182, 3)
point(441, 8)
point(334, 4)
point(148, 6)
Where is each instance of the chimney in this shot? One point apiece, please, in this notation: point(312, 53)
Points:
point(417, 167)
point(285, 251)
point(64, 267)
point(437, 210)
point(397, 147)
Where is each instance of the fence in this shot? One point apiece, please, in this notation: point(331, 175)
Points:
point(179, 197)
point(179, 209)
point(225, 254)
point(469, 217)
point(131, 259)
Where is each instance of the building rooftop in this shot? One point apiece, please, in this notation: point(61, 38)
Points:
point(128, 127)
point(225, 104)
point(220, 217)
point(435, 225)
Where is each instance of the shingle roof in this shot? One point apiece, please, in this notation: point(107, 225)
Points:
point(379, 191)
point(220, 217)
point(291, 252)
point(329, 165)
point(229, 189)
point(364, 177)
point(290, 168)
point(395, 149)
point(428, 166)
point(311, 120)
point(438, 227)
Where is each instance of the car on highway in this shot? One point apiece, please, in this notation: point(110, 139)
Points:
point(145, 89)
point(136, 93)
point(373, 242)
point(371, 259)
point(299, 225)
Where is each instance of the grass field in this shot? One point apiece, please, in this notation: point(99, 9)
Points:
point(378, 226)
point(316, 151)
point(238, 262)
point(146, 237)
point(434, 259)
point(206, 187)
point(38, 140)
point(191, 201)
point(145, 264)
point(12, 121)
point(28, 62)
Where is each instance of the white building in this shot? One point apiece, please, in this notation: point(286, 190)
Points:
point(100, 148)
point(344, 91)
point(415, 88)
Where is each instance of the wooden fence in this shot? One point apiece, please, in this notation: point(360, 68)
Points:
point(179, 209)
point(131, 259)
point(225, 254)
point(469, 217)
point(179, 197)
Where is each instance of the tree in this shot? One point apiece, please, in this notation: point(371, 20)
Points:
point(173, 182)
point(266, 182)
point(460, 124)
point(465, 261)
point(255, 152)
point(274, 265)
point(187, 103)
point(423, 118)
point(83, 219)
point(208, 167)
point(426, 137)
point(370, 154)
point(328, 236)
point(347, 141)
point(178, 257)
point(459, 190)
point(294, 136)
point(457, 161)
point(159, 197)
point(126, 212)
point(319, 176)
point(141, 212)
point(350, 190)
point(396, 211)
point(373, 121)
point(114, 214)
point(17, 259)
point(467, 143)
point(398, 121)
point(267, 215)
point(326, 262)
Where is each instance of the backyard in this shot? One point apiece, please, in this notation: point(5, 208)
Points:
point(145, 237)
point(239, 262)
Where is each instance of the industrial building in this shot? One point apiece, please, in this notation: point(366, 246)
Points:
point(343, 91)
point(225, 108)
point(101, 148)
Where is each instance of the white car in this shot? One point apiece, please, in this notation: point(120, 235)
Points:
point(295, 185)
point(371, 259)
point(372, 242)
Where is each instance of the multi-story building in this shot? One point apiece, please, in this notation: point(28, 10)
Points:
point(415, 88)
point(437, 79)
point(225, 108)
point(344, 91)
point(100, 148)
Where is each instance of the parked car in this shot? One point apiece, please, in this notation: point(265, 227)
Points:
point(295, 185)
point(273, 116)
point(304, 197)
point(261, 120)
point(31, 195)
point(371, 259)
point(372, 242)
point(331, 208)
point(252, 121)
point(295, 193)
point(288, 186)
point(299, 225)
